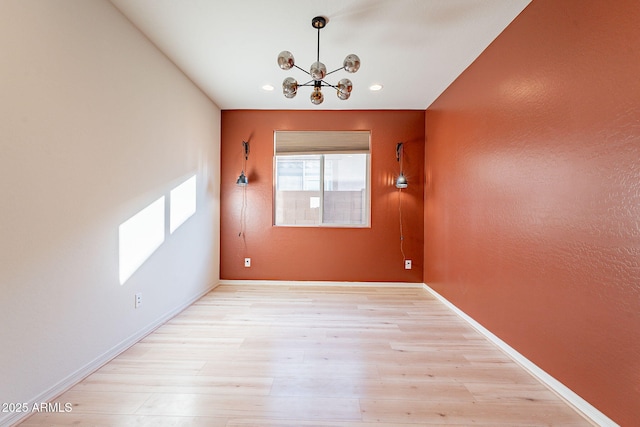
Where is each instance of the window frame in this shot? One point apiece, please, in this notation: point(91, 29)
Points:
point(326, 142)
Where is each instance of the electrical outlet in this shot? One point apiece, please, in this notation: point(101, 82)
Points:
point(138, 302)
point(407, 264)
point(247, 262)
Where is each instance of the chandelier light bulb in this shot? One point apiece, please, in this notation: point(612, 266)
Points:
point(285, 60)
point(316, 96)
point(351, 63)
point(344, 89)
point(289, 87)
point(318, 71)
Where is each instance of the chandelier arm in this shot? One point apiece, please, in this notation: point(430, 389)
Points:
point(337, 69)
point(329, 85)
point(322, 84)
point(301, 69)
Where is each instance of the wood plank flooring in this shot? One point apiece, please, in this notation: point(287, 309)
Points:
point(282, 356)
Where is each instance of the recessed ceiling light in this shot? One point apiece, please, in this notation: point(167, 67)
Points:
point(375, 87)
point(268, 88)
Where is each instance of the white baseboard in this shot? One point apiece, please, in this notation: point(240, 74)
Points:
point(585, 408)
point(66, 383)
point(321, 283)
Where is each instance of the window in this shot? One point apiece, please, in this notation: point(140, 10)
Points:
point(322, 178)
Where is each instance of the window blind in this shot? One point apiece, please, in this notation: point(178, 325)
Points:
point(321, 142)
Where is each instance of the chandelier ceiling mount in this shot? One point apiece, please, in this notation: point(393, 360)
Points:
point(318, 71)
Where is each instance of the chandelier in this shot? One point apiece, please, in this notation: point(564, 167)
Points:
point(318, 71)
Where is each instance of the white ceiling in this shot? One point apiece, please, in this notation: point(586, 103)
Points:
point(414, 48)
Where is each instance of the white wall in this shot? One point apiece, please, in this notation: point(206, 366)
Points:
point(95, 124)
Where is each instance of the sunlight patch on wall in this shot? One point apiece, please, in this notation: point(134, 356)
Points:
point(182, 203)
point(139, 237)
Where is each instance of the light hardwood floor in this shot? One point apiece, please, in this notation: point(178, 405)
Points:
point(281, 356)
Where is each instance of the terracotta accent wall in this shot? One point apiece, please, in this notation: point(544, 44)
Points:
point(532, 214)
point(322, 254)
